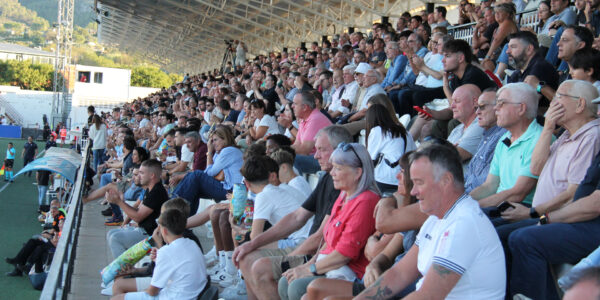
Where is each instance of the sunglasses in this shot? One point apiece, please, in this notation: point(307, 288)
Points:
point(348, 147)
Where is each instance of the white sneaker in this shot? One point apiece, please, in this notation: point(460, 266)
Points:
point(211, 257)
point(221, 276)
point(229, 281)
point(106, 291)
point(237, 291)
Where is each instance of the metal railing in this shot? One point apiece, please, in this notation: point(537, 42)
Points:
point(527, 18)
point(10, 111)
point(58, 282)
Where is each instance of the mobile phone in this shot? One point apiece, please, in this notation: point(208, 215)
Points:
point(419, 109)
point(504, 206)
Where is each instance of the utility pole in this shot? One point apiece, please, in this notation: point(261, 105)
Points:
point(61, 102)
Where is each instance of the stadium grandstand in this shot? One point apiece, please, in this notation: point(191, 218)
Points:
point(330, 150)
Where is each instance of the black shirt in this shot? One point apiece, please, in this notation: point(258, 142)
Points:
point(473, 75)
point(50, 144)
point(43, 177)
point(30, 150)
point(321, 200)
point(540, 68)
point(153, 199)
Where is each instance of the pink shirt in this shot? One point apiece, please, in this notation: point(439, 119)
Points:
point(349, 228)
point(308, 128)
point(570, 157)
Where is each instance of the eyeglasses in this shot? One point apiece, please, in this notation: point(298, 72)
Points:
point(484, 106)
point(559, 96)
point(501, 102)
point(53, 207)
point(348, 147)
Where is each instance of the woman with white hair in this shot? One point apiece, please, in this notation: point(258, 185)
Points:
point(341, 256)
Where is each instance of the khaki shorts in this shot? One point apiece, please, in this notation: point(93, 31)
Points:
point(280, 262)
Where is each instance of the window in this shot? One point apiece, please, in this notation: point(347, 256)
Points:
point(83, 76)
point(98, 77)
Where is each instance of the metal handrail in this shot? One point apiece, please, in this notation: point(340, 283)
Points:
point(58, 282)
point(11, 112)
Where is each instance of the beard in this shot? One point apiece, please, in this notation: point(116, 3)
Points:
point(517, 62)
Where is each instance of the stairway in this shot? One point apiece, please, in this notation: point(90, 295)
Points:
point(10, 112)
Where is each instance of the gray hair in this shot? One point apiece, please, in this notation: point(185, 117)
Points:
point(393, 45)
point(336, 134)
point(443, 158)
point(586, 91)
point(308, 98)
point(523, 93)
point(359, 158)
point(377, 75)
point(349, 68)
point(193, 135)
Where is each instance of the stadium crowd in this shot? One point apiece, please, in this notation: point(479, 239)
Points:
point(438, 168)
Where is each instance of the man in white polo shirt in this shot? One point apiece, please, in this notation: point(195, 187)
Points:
point(457, 254)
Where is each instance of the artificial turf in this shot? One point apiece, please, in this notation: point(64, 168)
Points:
point(18, 212)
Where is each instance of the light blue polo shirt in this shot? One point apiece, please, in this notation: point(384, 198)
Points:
point(512, 161)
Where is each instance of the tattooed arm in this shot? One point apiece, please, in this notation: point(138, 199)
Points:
point(437, 284)
point(395, 279)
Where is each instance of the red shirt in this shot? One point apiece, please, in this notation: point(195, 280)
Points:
point(349, 227)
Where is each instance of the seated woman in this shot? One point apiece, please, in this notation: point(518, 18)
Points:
point(264, 124)
point(223, 163)
point(505, 16)
point(348, 228)
point(383, 250)
point(35, 252)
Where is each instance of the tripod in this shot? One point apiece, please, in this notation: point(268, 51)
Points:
point(228, 56)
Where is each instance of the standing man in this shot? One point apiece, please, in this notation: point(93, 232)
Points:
point(29, 152)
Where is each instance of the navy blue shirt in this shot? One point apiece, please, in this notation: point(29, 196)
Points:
point(591, 181)
point(30, 150)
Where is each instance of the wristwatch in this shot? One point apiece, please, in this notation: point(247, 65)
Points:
point(533, 214)
point(544, 219)
point(540, 85)
point(313, 270)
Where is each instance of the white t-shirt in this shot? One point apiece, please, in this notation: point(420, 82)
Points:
point(144, 123)
point(350, 91)
point(301, 185)
point(187, 155)
point(465, 242)
point(270, 122)
point(180, 270)
point(467, 138)
point(434, 63)
point(391, 149)
point(98, 136)
point(275, 202)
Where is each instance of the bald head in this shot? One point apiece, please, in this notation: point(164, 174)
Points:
point(464, 103)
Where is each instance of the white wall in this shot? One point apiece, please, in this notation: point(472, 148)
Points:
point(114, 86)
point(32, 105)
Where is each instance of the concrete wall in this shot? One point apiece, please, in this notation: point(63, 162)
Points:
point(32, 105)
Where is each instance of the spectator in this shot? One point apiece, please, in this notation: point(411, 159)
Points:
point(50, 143)
point(347, 229)
point(386, 141)
point(479, 165)
point(440, 17)
point(371, 82)
point(483, 33)
point(180, 271)
point(42, 181)
point(510, 178)
point(311, 121)
point(335, 108)
point(505, 16)
point(223, 163)
point(398, 63)
point(98, 136)
point(560, 167)
point(29, 152)
point(262, 123)
point(563, 16)
point(530, 67)
point(120, 239)
point(276, 142)
point(262, 269)
point(476, 272)
point(466, 135)
point(285, 160)
point(585, 65)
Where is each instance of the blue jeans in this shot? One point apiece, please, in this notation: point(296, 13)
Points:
point(306, 164)
point(42, 189)
point(534, 248)
point(98, 158)
point(196, 185)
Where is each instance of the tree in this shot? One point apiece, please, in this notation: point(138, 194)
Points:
point(150, 77)
point(26, 75)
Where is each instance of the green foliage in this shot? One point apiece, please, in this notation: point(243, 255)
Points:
point(26, 75)
point(150, 77)
point(47, 9)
